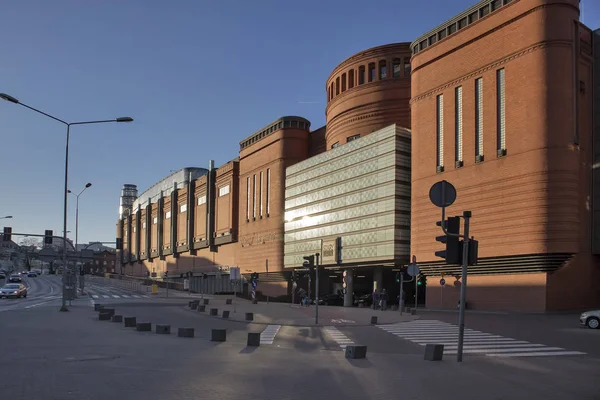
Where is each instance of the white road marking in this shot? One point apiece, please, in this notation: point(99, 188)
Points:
point(338, 336)
point(425, 332)
point(268, 335)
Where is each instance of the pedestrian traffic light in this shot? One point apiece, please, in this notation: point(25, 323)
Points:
point(473, 251)
point(422, 280)
point(48, 237)
point(397, 277)
point(204, 276)
point(452, 241)
point(254, 276)
point(7, 234)
point(309, 262)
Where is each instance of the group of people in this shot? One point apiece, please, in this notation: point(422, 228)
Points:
point(380, 299)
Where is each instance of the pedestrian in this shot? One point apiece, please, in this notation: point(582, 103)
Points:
point(384, 300)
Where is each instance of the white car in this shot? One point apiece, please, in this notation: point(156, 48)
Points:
point(591, 319)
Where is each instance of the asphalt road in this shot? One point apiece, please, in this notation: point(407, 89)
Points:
point(73, 355)
point(45, 290)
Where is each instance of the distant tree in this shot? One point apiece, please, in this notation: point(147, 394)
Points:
point(31, 242)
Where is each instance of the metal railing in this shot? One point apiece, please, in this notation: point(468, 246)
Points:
point(133, 285)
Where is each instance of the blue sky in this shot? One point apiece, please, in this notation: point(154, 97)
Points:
point(196, 75)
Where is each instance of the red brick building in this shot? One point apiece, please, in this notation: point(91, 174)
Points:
point(499, 101)
point(502, 108)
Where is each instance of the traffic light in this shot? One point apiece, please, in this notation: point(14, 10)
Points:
point(309, 262)
point(397, 277)
point(452, 242)
point(422, 280)
point(473, 251)
point(204, 276)
point(254, 276)
point(7, 234)
point(48, 237)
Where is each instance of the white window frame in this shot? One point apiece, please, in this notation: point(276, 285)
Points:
point(201, 200)
point(248, 199)
point(440, 131)
point(260, 194)
point(268, 191)
point(479, 117)
point(459, 123)
point(182, 208)
point(501, 112)
point(168, 215)
point(254, 196)
point(224, 190)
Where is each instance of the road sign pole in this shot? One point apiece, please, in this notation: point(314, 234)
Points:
point(463, 287)
point(317, 288)
point(267, 269)
point(401, 300)
point(416, 292)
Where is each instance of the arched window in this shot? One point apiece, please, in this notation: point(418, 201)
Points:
point(337, 85)
point(396, 68)
point(382, 69)
point(331, 90)
point(343, 82)
point(361, 75)
point(350, 79)
point(371, 72)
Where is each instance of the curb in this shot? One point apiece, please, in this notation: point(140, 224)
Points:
point(296, 325)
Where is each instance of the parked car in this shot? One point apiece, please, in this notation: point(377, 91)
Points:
point(591, 319)
point(13, 290)
point(14, 278)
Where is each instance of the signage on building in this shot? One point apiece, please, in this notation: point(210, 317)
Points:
point(329, 252)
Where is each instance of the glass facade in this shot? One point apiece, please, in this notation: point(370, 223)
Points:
point(357, 196)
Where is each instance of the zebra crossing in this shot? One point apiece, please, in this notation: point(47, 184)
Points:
point(119, 296)
point(476, 342)
point(268, 335)
point(338, 336)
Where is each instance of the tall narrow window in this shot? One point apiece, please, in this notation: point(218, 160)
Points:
point(478, 119)
point(350, 79)
point(260, 196)
point(337, 85)
point(396, 68)
point(254, 196)
point(440, 132)
point(459, 128)
point(361, 75)
point(382, 69)
point(248, 199)
point(501, 112)
point(371, 72)
point(406, 67)
point(268, 191)
point(343, 82)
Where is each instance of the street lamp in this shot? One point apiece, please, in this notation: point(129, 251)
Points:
point(7, 217)
point(11, 99)
point(77, 213)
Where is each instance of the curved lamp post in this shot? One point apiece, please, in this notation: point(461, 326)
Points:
point(77, 213)
point(13, 100)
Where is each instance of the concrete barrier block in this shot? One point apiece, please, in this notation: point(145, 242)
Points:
point(185, 332)
point(143, 327)
point(214, 311)
point(254, 301)
point(111, 311)
point(163, 329)
point(98, 307)
point(201, 308)
point(354, 351)
point(434, 352)
point(130, 322)
point(102, 316)
point(206, 302)
point(117, 318)
point(225, 314)
point(228, 301)
point(413, 311)
point(253, 339)
point(374, 320)
point(194, 306)
point(218, 335)
point(249, 316)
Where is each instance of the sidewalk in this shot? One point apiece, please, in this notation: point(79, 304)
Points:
point(294, 315)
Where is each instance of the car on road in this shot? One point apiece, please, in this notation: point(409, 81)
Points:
point(2, 275)
point(591, 319)
point(14, 278)
point(13, 290)
point(32, 274)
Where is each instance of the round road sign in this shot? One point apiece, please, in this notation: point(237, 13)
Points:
point(442, 194)
point(413, 270)
point(344, 291)
point(442, 282)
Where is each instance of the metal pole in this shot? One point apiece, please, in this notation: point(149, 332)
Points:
point(400, 301)
point(463, 287)
point(202, 287)
point(63, 305)
point(317, 289)
point(416, 291)
point(267, 269)
point(293, 288)
point(76, 242)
